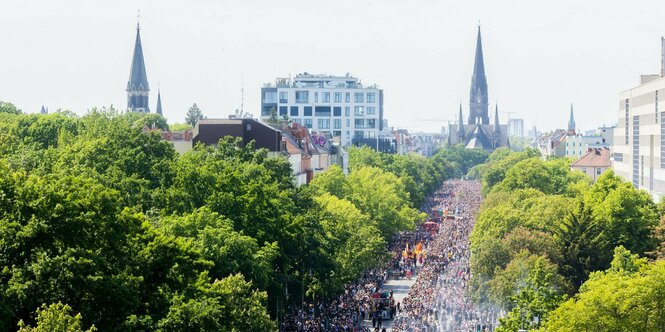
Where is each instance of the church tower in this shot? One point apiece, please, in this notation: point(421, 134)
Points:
point(571, 122)
point(138, 89)
point(478, 103)
point(159, 102)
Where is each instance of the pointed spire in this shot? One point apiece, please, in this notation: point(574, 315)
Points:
point(159, 102)
point(138, 89)
point(460, 126)
point(138, 80)
point(43, 110)
point(571, 121)
point(478, 95)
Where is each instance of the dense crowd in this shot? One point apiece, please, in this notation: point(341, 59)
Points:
point(358, 303)
point(438, 251)
point(438, 299)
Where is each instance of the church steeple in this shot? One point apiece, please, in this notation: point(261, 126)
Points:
point(571, 121)
point(478, 97)
point(159, 102)
point(460, 124)
point(138, 89)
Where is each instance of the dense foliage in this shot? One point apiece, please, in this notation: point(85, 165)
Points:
point(544, 229)
point(102, 223)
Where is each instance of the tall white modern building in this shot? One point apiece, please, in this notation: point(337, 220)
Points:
point(639, 137)
point(340, 105)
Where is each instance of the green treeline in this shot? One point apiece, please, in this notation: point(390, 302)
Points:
point(560, 253)
point(102, 224)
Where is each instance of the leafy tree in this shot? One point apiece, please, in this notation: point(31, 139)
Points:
point(194, 114)
point(464, 158)
point(55, 317)
point(630, 296)
point(7, 107)
point(153, 119)
point(534, 301)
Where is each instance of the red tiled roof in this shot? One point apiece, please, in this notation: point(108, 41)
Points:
point(594, 158)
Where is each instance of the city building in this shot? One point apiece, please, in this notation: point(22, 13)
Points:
point(210, 131)
point(341, 105)
point(593, 163)
point(308, 154)
point(478, 132)
point(516, 128)
point(639, 137)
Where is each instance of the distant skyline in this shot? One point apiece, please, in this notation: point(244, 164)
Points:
point(539, 56)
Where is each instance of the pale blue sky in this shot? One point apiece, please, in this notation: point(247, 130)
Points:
point(539, 55)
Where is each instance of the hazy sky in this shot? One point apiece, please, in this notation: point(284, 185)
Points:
point(540, 56)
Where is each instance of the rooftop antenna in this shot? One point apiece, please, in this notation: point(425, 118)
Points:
point(242, 95)
point(138, 18)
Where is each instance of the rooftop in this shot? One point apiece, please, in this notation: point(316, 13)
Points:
point(594, 158)
point(308, 80)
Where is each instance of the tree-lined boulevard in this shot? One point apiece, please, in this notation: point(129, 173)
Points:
point(104, 226)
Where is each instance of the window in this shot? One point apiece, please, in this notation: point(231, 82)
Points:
point(371, 123)
point(298, 121)
point(360, 110)
point(337, 111)
point(294, 111)
point(347, 111)
point(358, 97)
point(584, 169)
point(371, 97)
point(316, 97)
point(322, 111)
point(358, 134)
point(308, 110)
point(323, 123)
point(270, 97)
point(359, 123)
point(636, 151)
point(337, 133)
point(326, 97)
point(599, 171)
point(371, 110)
point(282, 110)
point(283, 97)
point(370, 134)
point(302, 96)
point(627, 119)
point(662, 141)
point(348, 134)
point(308, 123)
point(347, 97)
point(338, 97)
point(348, 122)
point(619, 157)
point(337, 124)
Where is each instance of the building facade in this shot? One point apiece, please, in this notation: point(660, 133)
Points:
point(341, 105)
point(639, 137)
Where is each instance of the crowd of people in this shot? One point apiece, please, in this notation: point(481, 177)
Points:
point(438, 299)
point(437, 254)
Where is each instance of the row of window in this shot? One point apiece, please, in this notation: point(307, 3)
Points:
point(337, 123)
point(326, 110)
point(303, 97)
